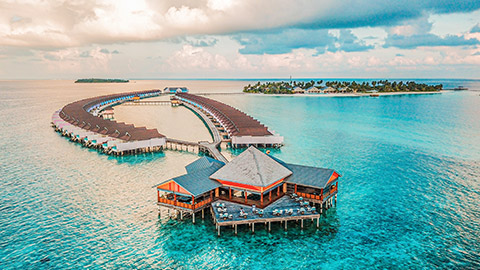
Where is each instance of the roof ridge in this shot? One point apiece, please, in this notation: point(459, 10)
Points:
point(258, 167)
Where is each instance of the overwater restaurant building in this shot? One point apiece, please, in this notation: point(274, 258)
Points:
point(252, 178)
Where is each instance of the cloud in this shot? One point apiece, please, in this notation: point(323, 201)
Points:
point(193, 58)
point(53, 24)
point(416, 33)
point(475, 28)
point(348, 42)
point(287, 40)
point(195, 41)
point(414, 41)
point(282, 42)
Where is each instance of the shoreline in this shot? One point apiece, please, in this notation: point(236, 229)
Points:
point(350, 94)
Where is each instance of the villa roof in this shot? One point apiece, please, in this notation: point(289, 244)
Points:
point(202, 163)
point(198, 181)
point(252, 167)
point(307, 175)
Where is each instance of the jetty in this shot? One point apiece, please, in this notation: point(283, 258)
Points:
point(90, 122)
point(241, 130)
point(83, 121)
point(254, 188)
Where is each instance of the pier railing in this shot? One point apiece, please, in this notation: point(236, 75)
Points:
point(185, 205)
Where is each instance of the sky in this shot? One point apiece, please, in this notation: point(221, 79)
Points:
point(151, 39)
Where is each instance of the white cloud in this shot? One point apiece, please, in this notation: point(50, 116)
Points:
point(193, 58)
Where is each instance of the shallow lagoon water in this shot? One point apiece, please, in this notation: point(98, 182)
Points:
point(409, 196)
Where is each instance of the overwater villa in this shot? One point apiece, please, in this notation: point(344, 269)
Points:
point(253, 188)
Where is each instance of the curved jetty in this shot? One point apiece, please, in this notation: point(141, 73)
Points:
point(241, 130)
point(82, 121)
point(90, 122)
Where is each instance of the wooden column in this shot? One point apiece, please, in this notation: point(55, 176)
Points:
point(278, 191)
point(295, 188)
point(270, 196)
point(193, 201)
point(230, 193)
point(261, 199)
point(158, 195)
point(174, 199)
point(246, 200)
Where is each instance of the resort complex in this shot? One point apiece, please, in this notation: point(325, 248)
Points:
point(253, 188)
point(91, 122)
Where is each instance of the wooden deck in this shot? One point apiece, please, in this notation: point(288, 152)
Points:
point(283, 203)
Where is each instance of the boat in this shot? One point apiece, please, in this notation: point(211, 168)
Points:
point(374, 95)
point(460, 88)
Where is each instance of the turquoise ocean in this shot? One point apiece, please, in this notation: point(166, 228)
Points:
point(409, 195)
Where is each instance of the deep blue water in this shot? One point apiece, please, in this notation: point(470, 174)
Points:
point(409, 196)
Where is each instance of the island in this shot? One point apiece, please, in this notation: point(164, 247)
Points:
point(381, 86)
point(96, 80)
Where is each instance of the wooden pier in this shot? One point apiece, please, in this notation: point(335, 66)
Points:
point(267, 217)
point(147, 102)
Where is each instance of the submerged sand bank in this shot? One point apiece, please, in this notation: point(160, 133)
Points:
point(173, 122)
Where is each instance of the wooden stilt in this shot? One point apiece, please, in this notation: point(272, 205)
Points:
point(318, 222)
point(269, 226)
point(218, 229)
point(193, 216)
point(301, 223)
point(235, 229)
point(203, 216)
point(253, 227)
point(286, 225)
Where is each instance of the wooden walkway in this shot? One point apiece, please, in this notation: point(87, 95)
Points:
point(211, 148)
point(148, 102)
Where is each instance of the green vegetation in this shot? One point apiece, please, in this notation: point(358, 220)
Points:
point(95, 80)
point(342, 87)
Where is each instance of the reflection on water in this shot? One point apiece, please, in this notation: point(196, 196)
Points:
point(409, 196)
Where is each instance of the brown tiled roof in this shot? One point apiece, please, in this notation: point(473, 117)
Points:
point(235, 121)
point(76, 114)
